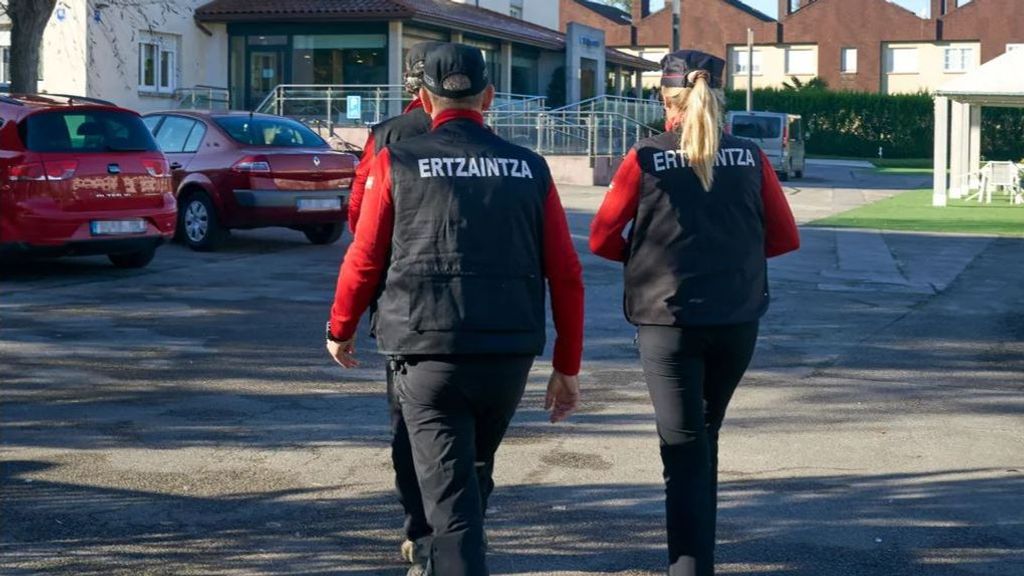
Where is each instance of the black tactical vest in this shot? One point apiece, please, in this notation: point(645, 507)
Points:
point(413, 123)
point(466, 269)
point(696, 257)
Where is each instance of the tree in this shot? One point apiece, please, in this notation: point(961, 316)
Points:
point(30, 17)
point(28, 20)
point(797, 85)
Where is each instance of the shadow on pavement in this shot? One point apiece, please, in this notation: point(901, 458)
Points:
point(856, 525)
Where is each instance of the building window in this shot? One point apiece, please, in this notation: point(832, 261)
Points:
point(848, 61)
point(799, 62)
point(743, 59)
point(157, 60)
point(902, 60)
point(337, 59)
point(958, 59)
point(1012, 47)
point(515, 9)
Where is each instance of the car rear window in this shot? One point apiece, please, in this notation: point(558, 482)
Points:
point(756, 127)
point(262, 131)
point(85, 131)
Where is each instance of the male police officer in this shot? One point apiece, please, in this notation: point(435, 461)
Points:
point(414, 121)
point(467, 227)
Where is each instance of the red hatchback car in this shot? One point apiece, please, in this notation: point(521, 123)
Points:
point(81, 177)
point(244, 170)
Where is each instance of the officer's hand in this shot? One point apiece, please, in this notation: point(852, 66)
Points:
point(343, 352)
point(563, 395)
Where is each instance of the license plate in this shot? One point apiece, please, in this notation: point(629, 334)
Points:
point(317, 204)
point(115, 227)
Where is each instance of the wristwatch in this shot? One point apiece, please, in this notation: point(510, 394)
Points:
point(330, 337)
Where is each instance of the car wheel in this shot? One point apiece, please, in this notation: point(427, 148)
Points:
point(324, 233)
point(198, 223)
point(133, 259)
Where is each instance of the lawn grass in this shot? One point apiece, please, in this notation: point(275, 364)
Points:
point(912, 211)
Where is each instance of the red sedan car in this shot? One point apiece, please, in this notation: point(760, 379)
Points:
point(81, 177)
point(244, 170)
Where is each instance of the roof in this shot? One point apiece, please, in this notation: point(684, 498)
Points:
point(749, 10)
point(620, 17)
point(444, 12)
point(998, 82)
point(463, 17)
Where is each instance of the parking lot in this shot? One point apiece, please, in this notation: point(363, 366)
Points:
point(185, 418)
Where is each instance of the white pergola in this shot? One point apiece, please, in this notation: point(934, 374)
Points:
point(958, 104)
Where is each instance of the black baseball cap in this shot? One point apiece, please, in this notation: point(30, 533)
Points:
point(450, 59)
point(677, 67)
point(418, 53)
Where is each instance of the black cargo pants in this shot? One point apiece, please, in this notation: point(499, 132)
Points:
point(691, 374)
point(457, 409)
point(407, 487)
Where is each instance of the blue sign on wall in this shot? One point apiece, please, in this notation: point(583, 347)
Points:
point(354, 107)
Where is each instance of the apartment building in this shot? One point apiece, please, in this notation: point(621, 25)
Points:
point(145, 55)
point(864, 45)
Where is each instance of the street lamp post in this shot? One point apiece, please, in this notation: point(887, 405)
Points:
point(675, 25)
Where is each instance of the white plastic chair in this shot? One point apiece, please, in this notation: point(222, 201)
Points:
point(1004, 176)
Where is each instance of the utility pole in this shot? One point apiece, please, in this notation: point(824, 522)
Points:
point(750, 69)
point(675, 25)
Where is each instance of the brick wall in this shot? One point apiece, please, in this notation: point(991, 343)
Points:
point(995, 23)
point(616, 35)
point(706, 25)
point(714, 25)
point(864, 25)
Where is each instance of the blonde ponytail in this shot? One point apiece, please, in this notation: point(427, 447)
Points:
point(700, 112)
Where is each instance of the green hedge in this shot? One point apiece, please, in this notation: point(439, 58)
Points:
point(858, 123)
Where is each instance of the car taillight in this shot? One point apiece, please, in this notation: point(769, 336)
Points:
point(252, 164)
point(157, 167)
point(33, 172)
point(60, 169)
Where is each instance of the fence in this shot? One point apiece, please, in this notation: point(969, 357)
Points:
point(570, 132)
point(643, 111)
point(360, 105)
point(202, 97)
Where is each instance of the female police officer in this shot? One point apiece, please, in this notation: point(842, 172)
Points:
point(706, 210)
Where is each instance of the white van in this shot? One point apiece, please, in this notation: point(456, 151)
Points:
point(780, 135)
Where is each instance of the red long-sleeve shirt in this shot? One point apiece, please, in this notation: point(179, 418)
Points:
point(623, 199)
point(355, 199)
point(367, 258)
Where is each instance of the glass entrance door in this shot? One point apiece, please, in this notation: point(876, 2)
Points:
point(266, 70)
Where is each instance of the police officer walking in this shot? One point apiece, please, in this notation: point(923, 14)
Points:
point(466, 227)
point(414, 121)
point(706, 211)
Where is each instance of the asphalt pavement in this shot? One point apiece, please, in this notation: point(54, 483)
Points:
point(185, 418)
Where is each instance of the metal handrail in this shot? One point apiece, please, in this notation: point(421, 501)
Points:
point(377, 102)
point(212, 96)
point(572, 131)
point(645, 111)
